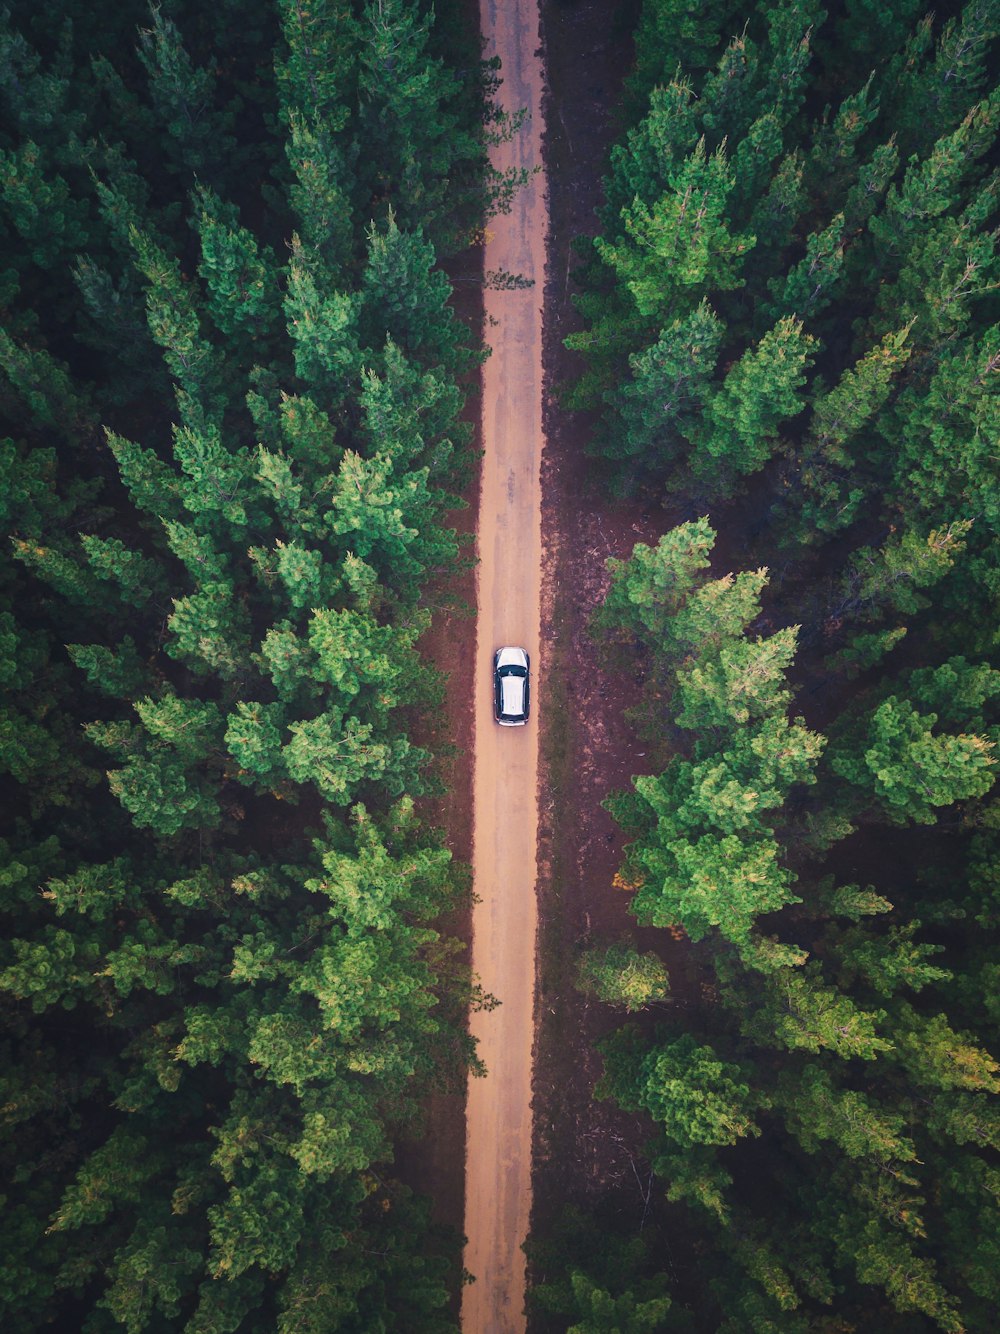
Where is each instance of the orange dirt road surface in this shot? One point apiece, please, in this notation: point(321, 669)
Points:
point(505, 803)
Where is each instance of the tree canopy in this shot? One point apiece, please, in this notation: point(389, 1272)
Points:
point(232, 383)
point(788, 326)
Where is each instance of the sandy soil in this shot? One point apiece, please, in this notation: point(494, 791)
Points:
point(498, 1147)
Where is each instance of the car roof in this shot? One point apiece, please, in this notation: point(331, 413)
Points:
point(512, 694)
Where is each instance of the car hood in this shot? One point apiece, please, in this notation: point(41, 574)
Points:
point(512, 657)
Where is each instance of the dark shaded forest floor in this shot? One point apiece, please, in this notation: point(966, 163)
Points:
point(587, 1153)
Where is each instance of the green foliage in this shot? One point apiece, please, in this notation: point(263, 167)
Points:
point(405, 300)
point(680, 242)
point(839, 416)
point(712, 836)
point(319, 72)
point(942, 432)
point(658, 143)
point(43, 211)
point(224, 990)
point(621, 975)
point(320, 196)
point(174, 323)
point(889, 578)
point(694, 1096)
point(138, 578)
point(337, 756)
point(209, 631)
point(597, 1280)
point(836, 381)
point(743, 683)
point(599, 1311)
point(241, 283)
point(712, 881)
point(321, 325)
point(818, 1112)
point(658, 409)
point(670, 33)
point(416, 142)
point(758, 394)
point(910, 769)
point(195, 135)
point(810, 285)
point(649, 588)
point(801, 1012)
point(41, 384)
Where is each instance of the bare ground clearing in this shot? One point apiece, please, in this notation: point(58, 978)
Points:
point(585, 1152)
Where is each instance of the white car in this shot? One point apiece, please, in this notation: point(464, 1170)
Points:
point(510, 686)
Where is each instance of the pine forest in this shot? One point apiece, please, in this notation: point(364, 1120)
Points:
point(239, 402)
point(790, 341)
point(233, 391)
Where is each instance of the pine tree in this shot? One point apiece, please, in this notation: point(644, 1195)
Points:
point(865, 195)
point(653, 416)
point(322, 326)
point(934, 91)
point(681, 242)
point(49, 396)
point(811, 285)
point(412, 414)
point(910, 769)
point(839, 424)
point(801, 1011)
point(320, 197)
point(753, 165)
point(418, 147)
point(621, 975)
point(697, 1098)
point(733, 89)
point(746, 681)
point(760, 392)
point(941, 432)
point(776, 213)
point(670, 34)
point(320, 72)
point(198, 138)
point(640, 166)
point(40, 206)
point(930, 186)
point(405, 300)
point(649, 588)
point(713, 881)
point(891, 577)
point(241, 283)
point(137, 577)
point(339, 755)
point(831, 162)
point(175, 324)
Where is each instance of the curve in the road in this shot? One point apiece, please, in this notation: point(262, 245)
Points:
point(498, 1145)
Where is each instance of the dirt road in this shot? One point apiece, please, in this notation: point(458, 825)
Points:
point(498, 1148)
